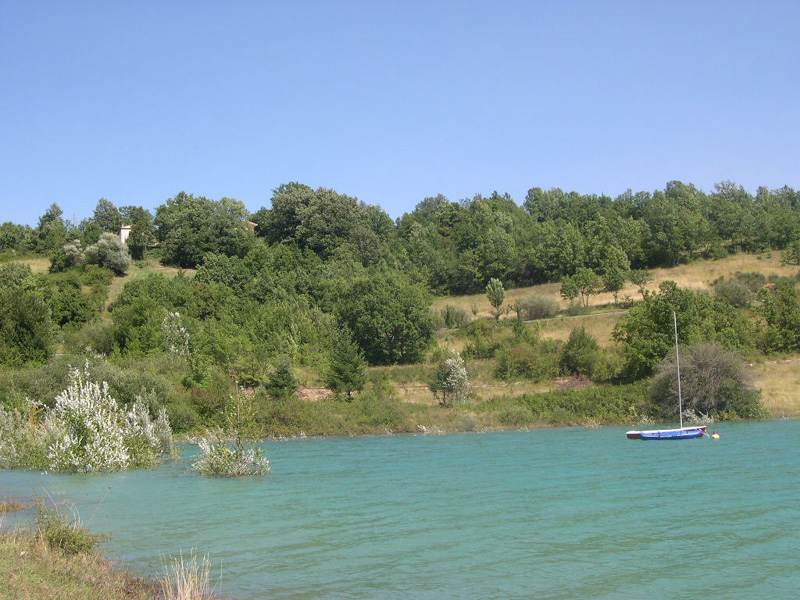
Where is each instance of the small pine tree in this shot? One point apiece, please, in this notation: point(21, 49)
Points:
point(282, 383)
point(496, 294)
point(347, 368)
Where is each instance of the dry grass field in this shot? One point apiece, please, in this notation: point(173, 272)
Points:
point(779, 382)
point(695, 276)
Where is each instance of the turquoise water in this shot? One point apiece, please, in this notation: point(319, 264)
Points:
point(546, 514)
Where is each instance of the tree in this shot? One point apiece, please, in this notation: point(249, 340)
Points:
point(143, 232)
point(107, 216)
point(584, 283)
point(450, 382)
point(26, 330)
point(640, 278)
point(781, 314)
point(647, 331)
point(13, 237)
point(190, 227)
point(51, 231)
point(389, 317)
point(580, 354)
point(230, 271)
point(714, 381)
point(496, 294)
point(615, 267)
point(109, 252)
point(346, 373)
point(282, 383)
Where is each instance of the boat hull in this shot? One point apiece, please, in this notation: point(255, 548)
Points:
point(684, 433)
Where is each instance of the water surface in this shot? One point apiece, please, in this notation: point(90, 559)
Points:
point(547, 514)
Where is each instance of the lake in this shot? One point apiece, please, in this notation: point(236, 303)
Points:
point(547, 514)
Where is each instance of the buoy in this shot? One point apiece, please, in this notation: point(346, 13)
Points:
point(715, 436)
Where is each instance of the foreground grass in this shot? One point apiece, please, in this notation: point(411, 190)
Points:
point(30, 569)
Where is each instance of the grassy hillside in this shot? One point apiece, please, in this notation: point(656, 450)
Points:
point(777, 379)
point(694, 276)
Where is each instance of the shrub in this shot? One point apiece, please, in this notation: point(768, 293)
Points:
point(535, 363)
point(483, 340)
point(222, 460)
point(577, 309)
point(453, 317)
point(733, 291)
point(538, 307)
point(753, 280)
point(581, 354)
point(63, 534)
point(450, 383)
point(604, 404)
point(85, 431)
point(713, 381)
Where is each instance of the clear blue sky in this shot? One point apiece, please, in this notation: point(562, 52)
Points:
point(390, 101)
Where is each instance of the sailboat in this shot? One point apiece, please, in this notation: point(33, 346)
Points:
point(683, 433)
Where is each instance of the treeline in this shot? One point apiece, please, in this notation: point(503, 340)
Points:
point(453, 247)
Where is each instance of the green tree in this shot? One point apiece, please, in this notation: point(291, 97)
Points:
point(781, 314)
point(14, 237)
point(26, 330)
point(640, 278)
point(580, 354)
point(346, 373)
point(647, 334)
point(230, 271)
point(282, 382)
point(51, 232)
point(107, 216)
point(389, 317)
point(614, 267)
point(143, 232)
point(189, 227)
point(496, 294)
point(585, 283)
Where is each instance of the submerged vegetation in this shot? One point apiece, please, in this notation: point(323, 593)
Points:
point(85, 431)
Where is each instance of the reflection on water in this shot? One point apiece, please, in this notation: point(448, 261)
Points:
point(556, 513)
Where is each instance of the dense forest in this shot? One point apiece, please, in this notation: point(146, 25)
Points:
point(319, 286)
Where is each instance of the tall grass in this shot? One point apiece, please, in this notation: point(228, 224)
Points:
point(63, 533)
point(187, 578)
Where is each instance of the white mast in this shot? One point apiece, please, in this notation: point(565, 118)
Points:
point(678, 363)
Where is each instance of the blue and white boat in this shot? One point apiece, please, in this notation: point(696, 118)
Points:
point(682, 433)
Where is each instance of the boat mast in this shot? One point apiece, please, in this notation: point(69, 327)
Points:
point(678, 364)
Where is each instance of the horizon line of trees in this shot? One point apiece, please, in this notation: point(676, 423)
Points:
point(452, 247)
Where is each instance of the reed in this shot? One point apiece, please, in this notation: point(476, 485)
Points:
point(187, 578)
point(7, 506)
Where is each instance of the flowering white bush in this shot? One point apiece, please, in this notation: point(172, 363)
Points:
point(86, 431)
point(450, 382)
point(221, 459)
point(176, 338)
